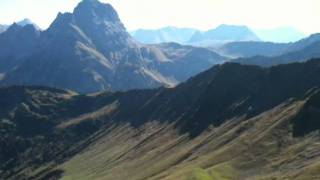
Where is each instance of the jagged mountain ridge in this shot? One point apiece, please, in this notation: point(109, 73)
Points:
point(90, 50)
point(17, 43)
point(27, 21)
point(183, 35)
point(204, 123)
point(223, 34)
point(267, 49)
point(163, 35)
point(213, 37)
point(24, 22)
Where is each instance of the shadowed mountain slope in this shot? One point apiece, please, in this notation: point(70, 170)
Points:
point(17, 43)
point(230, 122)
point(22, 23)
point(89, 50)
point(3, 28)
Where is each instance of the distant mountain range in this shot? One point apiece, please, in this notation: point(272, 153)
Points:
point(23, 22)
point(27, 21)
point(167, 34)
point(250, 49)
point(217, 36)
point(268, 54)
point(223, 34)
point(304, 54)
point(90, 50)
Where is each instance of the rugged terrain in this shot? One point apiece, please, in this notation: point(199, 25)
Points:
point(230, 122)
point(89, 50)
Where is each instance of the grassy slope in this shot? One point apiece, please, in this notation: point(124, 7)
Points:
point(89, 137)
point(236, 150)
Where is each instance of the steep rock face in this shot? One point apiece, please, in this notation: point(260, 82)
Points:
point(90, 50)
point(85, 51)
point(17, 43)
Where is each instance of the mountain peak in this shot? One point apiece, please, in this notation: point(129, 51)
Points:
point(18, 31)
point(26, 22)
point(97, 11)
point(14, 28)
point(227, 27)
point(225, 33)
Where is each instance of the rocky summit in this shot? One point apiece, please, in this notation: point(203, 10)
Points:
point(89, 50)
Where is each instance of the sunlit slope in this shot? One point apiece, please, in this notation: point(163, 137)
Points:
point(231, 122)
point(262, 147)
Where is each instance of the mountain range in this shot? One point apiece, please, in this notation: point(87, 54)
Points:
point(222, 34)
point(163, 35)
point(27, 21)
point(84, 100)
point(304, 54)
point(268, 49)
point(89, 50)
point(23, 22)
point(265, 128)
point(231, 33)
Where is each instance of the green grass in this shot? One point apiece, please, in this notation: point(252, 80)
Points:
point(160, 153)
point(219, 172)
point(223, 172)
point(200, 174)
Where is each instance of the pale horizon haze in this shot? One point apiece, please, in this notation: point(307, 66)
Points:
point(303, 15)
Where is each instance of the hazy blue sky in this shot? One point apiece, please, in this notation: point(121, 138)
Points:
point(203, 14)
